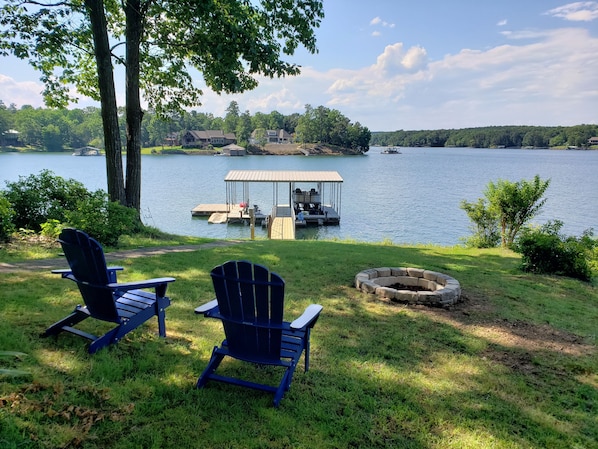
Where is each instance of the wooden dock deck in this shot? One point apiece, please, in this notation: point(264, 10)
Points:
point(225, 213)
point(205, 210)
point(282, 228)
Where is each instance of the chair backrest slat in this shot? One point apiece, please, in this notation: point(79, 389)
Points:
point(88, 265)
point(251, 302)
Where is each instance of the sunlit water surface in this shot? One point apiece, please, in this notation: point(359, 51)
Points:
point(411, 197)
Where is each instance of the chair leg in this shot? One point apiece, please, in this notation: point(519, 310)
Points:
point(161, 315)
point(307, 345)
point(105, 340)
point(212, 366)
point(285, 384)
point(78, 315)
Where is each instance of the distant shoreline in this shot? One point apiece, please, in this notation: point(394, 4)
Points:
point(284, 150)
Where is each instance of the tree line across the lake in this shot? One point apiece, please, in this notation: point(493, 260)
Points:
point(491, 137)
point(60, 129)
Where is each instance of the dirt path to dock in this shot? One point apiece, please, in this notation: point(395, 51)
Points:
point(60, 262)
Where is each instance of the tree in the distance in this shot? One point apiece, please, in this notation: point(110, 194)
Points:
point(78, 43)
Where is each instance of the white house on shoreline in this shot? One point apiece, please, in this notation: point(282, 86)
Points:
point(261, 136)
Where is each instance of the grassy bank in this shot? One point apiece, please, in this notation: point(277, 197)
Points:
point(513, 366)
point(30, 246)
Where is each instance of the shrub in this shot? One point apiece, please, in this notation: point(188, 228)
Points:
point(6, 219)
point(484, 225)
point(545, 250)
point(103, 219)
point(38, 198)
point(51, 228)
point(47, 203)
point(509, 206)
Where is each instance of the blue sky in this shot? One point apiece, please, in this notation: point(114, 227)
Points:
point(423, 64)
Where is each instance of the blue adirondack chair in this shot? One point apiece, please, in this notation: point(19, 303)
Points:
point(125, 304)
point(250, 302)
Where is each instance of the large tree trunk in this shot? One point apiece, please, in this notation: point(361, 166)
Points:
point(134, 114)
point(114, 163)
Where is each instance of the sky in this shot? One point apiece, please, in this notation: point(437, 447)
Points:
point(421, 64)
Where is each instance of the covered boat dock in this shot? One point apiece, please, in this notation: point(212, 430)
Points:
point(306, 197)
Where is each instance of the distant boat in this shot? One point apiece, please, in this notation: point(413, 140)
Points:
point(391, 150)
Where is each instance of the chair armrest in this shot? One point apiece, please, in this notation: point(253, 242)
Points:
point(149, 283)
point(117, 268)
point(308, 318)
point(66, 274)
point(112, 277)
point(207, 307)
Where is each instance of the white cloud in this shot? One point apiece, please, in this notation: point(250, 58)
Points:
point(502, 23)
point(377, 21)
point(576, 12)
point(395, 59)
point(524, 34)
point(20, 92)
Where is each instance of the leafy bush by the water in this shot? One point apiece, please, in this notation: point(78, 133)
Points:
point(506, 208)
point(39, 198)
point(48, 203)
point(546, 250)
point(103, 219)
point(486, 233)
point(6, 215)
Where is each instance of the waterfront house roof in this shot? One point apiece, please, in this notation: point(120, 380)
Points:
point(282, 176)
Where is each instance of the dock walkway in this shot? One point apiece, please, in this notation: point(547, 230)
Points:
point(283, 228)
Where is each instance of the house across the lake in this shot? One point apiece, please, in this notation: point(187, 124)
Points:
point(9, 138)
point(200, 139)
point(270, 136)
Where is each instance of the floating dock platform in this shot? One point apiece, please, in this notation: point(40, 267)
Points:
point(225, 213)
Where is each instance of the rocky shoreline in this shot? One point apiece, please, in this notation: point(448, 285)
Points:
point(274, 149)
point(294, 149)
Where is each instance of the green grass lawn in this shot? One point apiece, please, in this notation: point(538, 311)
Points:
point(513, 366)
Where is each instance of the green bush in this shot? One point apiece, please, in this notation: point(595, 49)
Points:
point(485, 225)
point(6, 219)
point(52, 228)
point(103, 219)
point(546, 250)
point(46, 203)
point(38, 198)
point(506, 208)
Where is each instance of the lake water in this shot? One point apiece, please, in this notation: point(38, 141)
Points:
point(411, 197)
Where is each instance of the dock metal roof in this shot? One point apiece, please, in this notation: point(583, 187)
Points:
point(282, 176)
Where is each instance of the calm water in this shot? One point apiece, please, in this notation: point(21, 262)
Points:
point(412, 197)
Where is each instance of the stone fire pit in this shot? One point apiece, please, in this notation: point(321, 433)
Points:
point(410, 285)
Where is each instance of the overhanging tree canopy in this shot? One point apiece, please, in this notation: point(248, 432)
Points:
point(78, 42)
